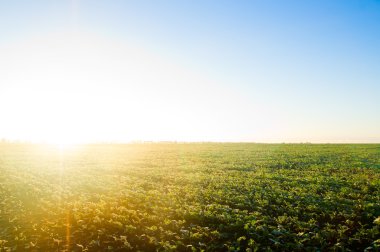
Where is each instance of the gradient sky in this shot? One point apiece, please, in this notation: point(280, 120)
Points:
point(264, 71)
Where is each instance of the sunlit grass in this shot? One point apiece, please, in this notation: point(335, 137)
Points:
point(217, 197)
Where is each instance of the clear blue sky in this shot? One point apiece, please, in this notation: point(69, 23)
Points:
point(270, 71)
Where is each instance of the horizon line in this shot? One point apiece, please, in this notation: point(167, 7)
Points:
point(7, 141)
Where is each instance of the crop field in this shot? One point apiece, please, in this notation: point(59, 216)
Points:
point(190, 197)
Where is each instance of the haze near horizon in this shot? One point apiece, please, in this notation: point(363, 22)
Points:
point(241, 71)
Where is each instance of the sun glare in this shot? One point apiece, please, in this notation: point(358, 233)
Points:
point(78, 88)
point(65, 143)
point(66, 146)
point(81, 88)
point(74, 93)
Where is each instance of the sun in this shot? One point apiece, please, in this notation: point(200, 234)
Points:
point(62, 139)
point(64, 144)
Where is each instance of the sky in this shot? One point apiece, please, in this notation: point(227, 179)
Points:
point(237, 71)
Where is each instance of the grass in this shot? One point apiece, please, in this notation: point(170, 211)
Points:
point(190, 197)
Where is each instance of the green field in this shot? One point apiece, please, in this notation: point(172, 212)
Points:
point(190, 197)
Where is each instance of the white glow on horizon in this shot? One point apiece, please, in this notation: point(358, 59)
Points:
point(73, 88)
point(70, 88)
